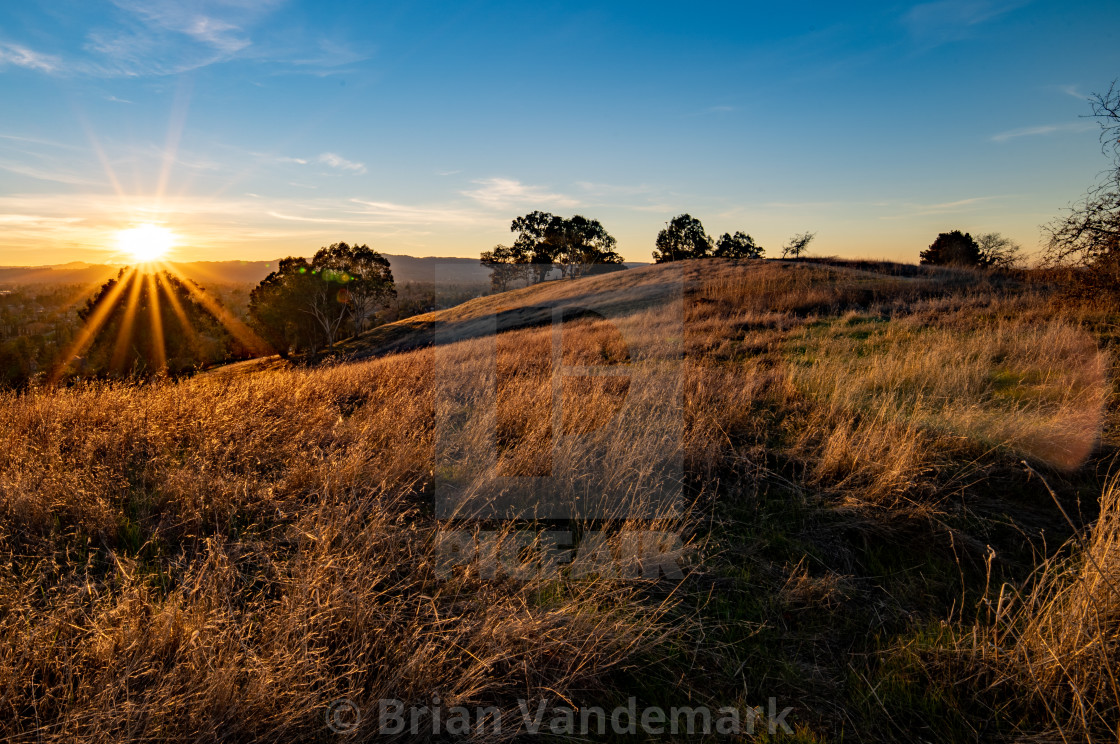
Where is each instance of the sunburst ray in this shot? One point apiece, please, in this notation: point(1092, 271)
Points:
point(125, 332)
point(180, 313)
point(174, 136)
point(243, 333)
point(92, 327)
point(159, 349)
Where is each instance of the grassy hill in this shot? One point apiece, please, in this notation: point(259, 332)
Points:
point(863, 453)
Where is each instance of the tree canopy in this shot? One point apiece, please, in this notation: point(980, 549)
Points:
point(997, 251)
point(953, 249)
point(507, 265)
point(683, 238)
point(583, 243)
point(543, 241)
point(307, 305)
point(797, 245)
point(739, 245)
point(365, 275)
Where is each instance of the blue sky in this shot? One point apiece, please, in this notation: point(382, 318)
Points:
point(256, 129)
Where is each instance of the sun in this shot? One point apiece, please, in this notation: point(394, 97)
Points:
point(146, 242)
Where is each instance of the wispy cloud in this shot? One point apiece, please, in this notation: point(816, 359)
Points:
point(37, 141)
point(803, 205)
point(503, 193)
point(51, 174)
point(911, 209)
point(327, 55)
point(1067, 127)
point(1072, 91)
point(162, 37)
point(942, 21)
point(405, 214)
point(20, 56)
point(341, 163)
point(321, 220)
point(664, 208)
point(139, 38)
point(87, 222)
point(198, 20)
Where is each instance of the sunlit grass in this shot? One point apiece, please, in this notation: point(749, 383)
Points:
point(223, 556)
point(1039, 390)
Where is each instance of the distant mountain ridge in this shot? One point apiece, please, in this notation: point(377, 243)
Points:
point(405, 269)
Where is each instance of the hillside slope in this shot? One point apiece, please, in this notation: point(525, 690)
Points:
point(854, 452)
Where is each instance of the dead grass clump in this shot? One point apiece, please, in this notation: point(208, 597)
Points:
point(823, 592)
point(1066, 633)
point(869, 458)
point(1051, 646)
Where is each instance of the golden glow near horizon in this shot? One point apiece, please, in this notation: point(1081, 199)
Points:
point(145, 243)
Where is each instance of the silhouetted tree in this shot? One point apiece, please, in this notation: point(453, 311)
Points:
point(279, 307)
point(538, 240)
point(305, 304)
point(365, 275)
point(584, 243)
point(739, 245)
point(507, 264)
point(683, 238)
point(953, 249)
point(1088, 236)
point(150, 323)
point(545, 240)
point(998, 252)
point(797, 245)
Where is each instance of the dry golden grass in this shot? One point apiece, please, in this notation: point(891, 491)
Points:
point(1057, 638)
point(222, 557)
point(1037, 389)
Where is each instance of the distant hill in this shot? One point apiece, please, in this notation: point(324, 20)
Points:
point(73, 273)
point(405, 269)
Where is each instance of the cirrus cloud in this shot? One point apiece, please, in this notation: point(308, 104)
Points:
point(337, 161)
point(1067, 127)
point(20, 56)
point(504, 193)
